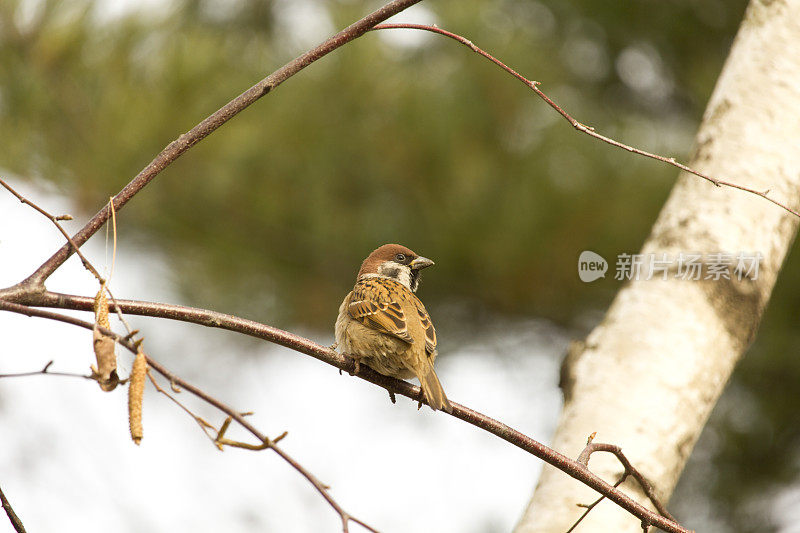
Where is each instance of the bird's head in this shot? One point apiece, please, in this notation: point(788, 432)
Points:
point(395, 262)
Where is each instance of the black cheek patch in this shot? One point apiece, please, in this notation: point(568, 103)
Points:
point(391, 271)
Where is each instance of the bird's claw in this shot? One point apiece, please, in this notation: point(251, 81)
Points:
point(356, 365)
point(419, 400)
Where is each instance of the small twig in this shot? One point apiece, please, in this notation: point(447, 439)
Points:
point(588, 130)
point(12, 516)
point(204, 425)
point(46, 371)
point(221, 441)
point(592, 505)
point(629, 470)
point(86, 263)
point(55, 220)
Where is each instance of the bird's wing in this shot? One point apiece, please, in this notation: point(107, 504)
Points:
point(378, 304)
point(427, 325)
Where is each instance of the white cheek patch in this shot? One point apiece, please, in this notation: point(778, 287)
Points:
point(405, 277)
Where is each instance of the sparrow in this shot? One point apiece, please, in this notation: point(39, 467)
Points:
point(383, 324)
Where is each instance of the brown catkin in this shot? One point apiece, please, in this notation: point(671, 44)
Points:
point(101, 308)
point(104, 346)
point(135, 396)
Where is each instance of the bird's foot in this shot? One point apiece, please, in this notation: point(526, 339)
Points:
point(356, 365)
point(391, 397)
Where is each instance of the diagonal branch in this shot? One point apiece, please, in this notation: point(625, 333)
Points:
point(12, 516)
point(180, 145)
point(209, 318)
point(588, 130)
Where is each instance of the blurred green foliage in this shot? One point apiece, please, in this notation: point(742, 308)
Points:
point(425, 145)
point(422, 143)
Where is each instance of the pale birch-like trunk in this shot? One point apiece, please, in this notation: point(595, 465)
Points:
point(648, 376)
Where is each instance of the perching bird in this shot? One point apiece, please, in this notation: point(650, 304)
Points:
point(384, 325)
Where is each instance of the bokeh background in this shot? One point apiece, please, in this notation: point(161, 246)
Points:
point(399, 137)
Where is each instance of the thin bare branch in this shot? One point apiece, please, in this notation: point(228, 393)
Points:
point(221, 441)
point(86, 263)
point(56, 220)
point(203, 423)
point(12, 516)
point(592, 505)
point(45, 371)
point(588, 130)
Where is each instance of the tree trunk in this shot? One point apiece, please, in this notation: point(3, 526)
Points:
point(648, 376)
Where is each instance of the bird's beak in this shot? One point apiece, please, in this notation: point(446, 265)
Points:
point(420, 263)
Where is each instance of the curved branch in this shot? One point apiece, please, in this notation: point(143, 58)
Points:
point(300, 344)
point(630, 470)
point(180, 145)
point(588, 130)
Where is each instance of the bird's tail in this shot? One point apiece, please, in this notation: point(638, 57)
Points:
point(433, 391)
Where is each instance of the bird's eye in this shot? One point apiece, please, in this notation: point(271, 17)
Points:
point(400, 257)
